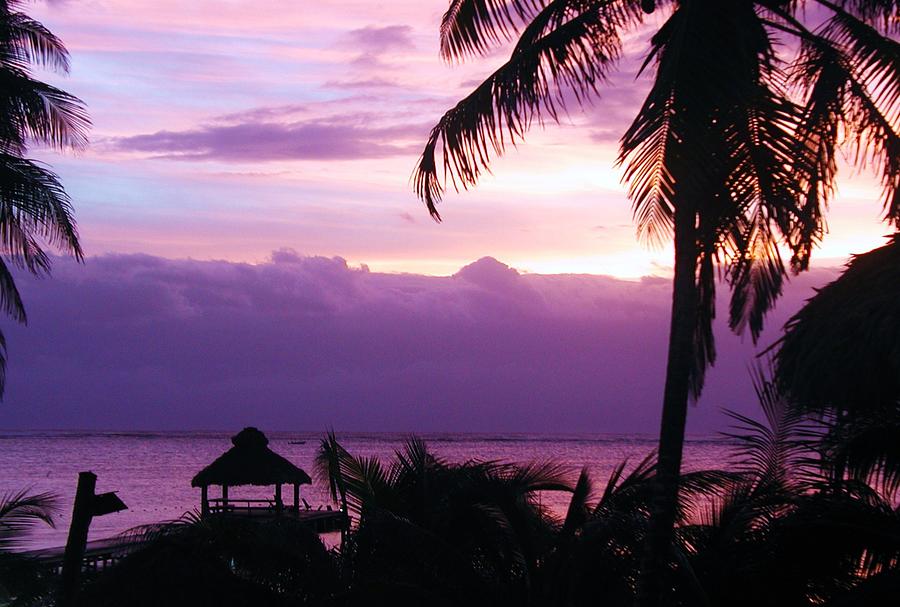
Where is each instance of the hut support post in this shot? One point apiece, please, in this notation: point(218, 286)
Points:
point(204, 500)
point(296, 497)
point(225, 498)
point(278, 502)
point(82, 513)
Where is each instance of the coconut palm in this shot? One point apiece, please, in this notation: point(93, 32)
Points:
point(596, 556)
point(732, 153)
point(443, 533)
point(34, 208)
point(786, 531)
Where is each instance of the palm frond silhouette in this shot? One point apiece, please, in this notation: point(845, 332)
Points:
point(731, 155)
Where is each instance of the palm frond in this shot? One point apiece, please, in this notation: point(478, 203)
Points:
point(538, 476)
point(360, 483)
point(574, 56)
point(577, 512)
point(633, 487)
point(34, 204)
point(415, 457)
point(366, 482)
point(29, 42)
point(871, 73)
point(40, 111)
point(10, 299)
point(770, 453)
point(872, 57)
point(715, 141)
point(328, 466)
point(473, 27)
point(648, 146)
point(885, 13)
point(868, 445)
point(20, 511)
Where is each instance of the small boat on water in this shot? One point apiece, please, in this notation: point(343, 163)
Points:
point(296, 442)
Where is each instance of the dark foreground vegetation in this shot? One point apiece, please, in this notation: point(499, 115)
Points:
point(806, 512)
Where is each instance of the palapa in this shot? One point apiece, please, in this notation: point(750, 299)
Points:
point(250, 462)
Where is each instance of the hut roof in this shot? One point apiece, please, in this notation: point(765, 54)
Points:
point(250, 462)
point(843, 347)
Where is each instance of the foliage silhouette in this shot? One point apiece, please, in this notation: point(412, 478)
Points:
point(841, 352)
point(732, 153)
point(776, 528)
point(35, 210)
point(22, 581)
point(428, 530)
point(219, 561)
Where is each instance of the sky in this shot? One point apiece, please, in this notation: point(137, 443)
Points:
point(253, 239)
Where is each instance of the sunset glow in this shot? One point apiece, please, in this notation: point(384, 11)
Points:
point(225, 131)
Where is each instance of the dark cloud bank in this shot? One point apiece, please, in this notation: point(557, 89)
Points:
point(304, 343)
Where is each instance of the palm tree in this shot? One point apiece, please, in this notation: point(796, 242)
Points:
point(431, 531)
point(34, 208)
point(732, 153)
point(786, 531)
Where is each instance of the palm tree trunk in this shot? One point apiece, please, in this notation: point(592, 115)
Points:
point(652, 582)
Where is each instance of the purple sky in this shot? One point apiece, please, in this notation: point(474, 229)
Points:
point(228, 130)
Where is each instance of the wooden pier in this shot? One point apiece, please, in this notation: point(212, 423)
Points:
point(248, 462)
point(100, 554)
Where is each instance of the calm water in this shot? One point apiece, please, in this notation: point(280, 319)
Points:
point(152, 471)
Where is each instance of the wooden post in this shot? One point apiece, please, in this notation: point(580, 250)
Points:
point(224, 498)
point(204, 500)
point(82, 512)
point(278, 503)
point(296, 497)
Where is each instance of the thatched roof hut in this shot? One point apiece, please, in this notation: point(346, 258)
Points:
point(841, 351)
point(249, 462)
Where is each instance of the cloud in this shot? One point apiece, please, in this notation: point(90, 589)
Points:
point(134, 341)
point(377, 40)
point(263, 114)
point(364, 84)
point(374, 43)
point(336, 138)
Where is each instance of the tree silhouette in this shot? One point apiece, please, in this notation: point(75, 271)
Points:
point(839, 358)
point(428, 530)
point(732, 153)
point(34, 208)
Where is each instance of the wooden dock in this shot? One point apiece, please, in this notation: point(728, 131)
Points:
point(100, 554)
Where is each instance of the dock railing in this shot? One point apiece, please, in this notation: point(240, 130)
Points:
point(239, 506)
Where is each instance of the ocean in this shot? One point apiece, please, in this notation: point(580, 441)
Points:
point(152, 471)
